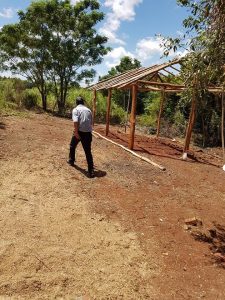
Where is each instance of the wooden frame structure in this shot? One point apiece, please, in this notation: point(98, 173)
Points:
point(154, 78)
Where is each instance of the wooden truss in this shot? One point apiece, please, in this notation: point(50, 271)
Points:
point(156, 78)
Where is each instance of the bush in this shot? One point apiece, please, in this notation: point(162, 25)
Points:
point(117, 113)
point(8, 91)
point(30, 99)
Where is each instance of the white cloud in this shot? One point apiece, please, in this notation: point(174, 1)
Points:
point(121, 10)
point(7, 13)
point(113, 58)
point(181, 53)
point(73, 2)
point(109, 30)
point(148, 47)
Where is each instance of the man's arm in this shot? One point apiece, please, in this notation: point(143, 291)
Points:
point(76, 126)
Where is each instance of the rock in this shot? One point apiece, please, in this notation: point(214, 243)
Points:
point(193, 222)
point(219, 256)
point(186, 227)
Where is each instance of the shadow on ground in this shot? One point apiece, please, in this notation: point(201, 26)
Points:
point(2, 125)
point(215, 237)
point(97, 173)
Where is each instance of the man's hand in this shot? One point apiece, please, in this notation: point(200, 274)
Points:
point(76, 134)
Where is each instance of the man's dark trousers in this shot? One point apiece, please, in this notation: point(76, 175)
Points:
point(85, 139)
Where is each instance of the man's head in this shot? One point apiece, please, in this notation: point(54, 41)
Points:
point(79, 100)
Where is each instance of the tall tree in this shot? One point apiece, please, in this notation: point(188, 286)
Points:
point(118, 96)
point(205, 39)
point(55, 42)
point(126, 64)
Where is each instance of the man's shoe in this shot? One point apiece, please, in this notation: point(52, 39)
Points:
point(91, 174)
point(70, 162)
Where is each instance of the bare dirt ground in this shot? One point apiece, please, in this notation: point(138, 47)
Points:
point(120, 235)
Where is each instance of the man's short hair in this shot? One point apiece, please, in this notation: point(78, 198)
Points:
point(79, 100)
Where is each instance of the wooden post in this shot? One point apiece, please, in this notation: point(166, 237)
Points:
point(133, 116)
point(108, 111)
point(160, 111)
point(190, 123)
point(94, 107)
point(222, 127)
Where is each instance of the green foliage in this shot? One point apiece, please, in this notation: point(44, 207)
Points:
point(151, 102)
point(11, 91)
point(121, 98)
point(30, 99)
point(117, 113)
point(54, 42)
point(204, 65)
point(126, 64)
point(7, 88)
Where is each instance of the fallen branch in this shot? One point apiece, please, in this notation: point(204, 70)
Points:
point(130, 151)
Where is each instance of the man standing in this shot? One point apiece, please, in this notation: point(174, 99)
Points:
point(82, 120)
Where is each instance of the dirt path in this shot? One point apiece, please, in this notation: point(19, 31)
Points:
point(118, 236)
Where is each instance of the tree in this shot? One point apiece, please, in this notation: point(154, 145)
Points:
point(205, 39)
point(204, 65)
point(126, 64)
point(54, 42)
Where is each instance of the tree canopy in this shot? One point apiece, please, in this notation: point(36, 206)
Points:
point(54, 42)
point(204, 65)
point(205, 39)
point(126, 64)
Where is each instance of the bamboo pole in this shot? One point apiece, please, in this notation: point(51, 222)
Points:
point(190, 124)
point(94, 107)
point(132, 152)
point(162, 84)
point(133, 116)
point(108, 111)
point(160, 111)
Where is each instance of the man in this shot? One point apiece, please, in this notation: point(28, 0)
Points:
point(82, 120)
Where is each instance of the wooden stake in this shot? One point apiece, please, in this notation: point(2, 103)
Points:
point(132, 152)
point(190, 123)
point(133, 116)
point(160, 111)
point(108, 111)
point(94, 107)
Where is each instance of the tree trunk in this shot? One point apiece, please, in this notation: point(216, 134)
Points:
point(61, 107)
point(43, 91)
point(44, 101)
point(61, 100)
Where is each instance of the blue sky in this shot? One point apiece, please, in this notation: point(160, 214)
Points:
point(130, 25)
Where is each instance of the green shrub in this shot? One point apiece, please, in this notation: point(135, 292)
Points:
point(8, 91)
point(117, 113)
point(30, 99)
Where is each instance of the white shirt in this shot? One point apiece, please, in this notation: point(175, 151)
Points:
point(83, 116)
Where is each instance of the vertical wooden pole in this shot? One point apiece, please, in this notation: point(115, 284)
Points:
point(160, 111)
point(127, 112)
point(108, 111)
point(94, 107)
point(222, 127)
point(190, 123)
point(133, 116)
